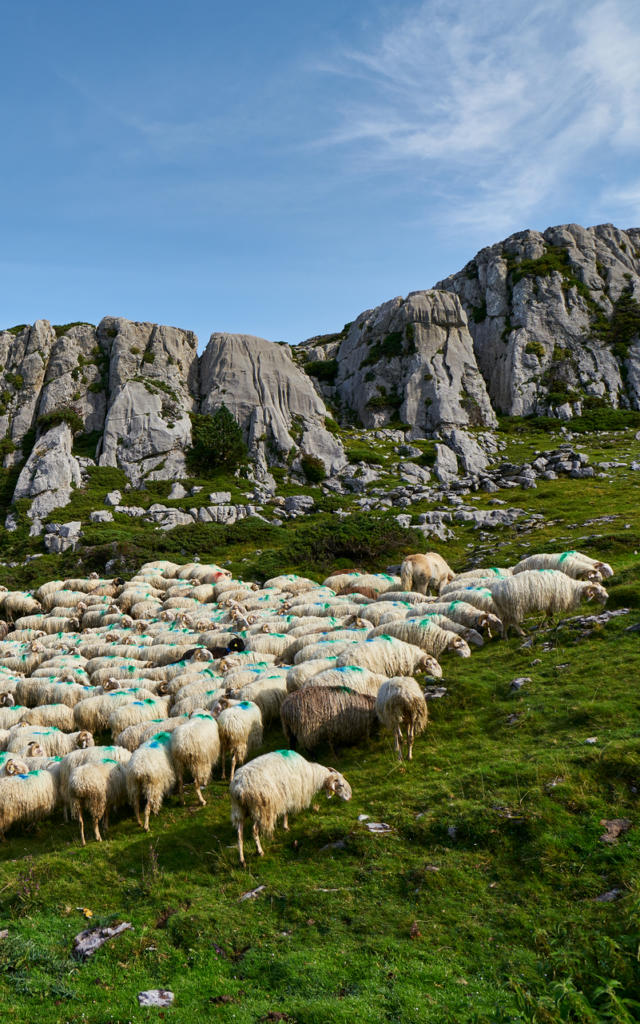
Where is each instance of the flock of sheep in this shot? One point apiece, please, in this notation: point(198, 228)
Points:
point(180, 668)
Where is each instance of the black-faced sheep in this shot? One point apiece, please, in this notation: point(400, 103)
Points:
point(276, 785)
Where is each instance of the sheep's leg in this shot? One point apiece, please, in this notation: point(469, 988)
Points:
point(410, 735)
point(285, 822)
point(96, 831)
point(256, 836)
point(199, 794)
point(147, 812)
point(136, 809)
point(223, 756)
point(180, 785)
point(82, 839)
point(241, 844)
point(105, 821)
point(233, 768)
point(397, 741)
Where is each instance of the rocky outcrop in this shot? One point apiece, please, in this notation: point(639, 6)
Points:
point(552, 317)
point(274, 402)
point(408, 360)
point(49, 473)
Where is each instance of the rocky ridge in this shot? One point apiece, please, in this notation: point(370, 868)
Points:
point(539, 323)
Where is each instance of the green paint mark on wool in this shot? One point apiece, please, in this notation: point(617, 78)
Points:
point(566, 554)
point(287, 753)
point(160, 739)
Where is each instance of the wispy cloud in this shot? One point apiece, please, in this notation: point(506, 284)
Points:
point(501, 104)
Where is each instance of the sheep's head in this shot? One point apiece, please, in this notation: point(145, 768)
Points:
point(266, 628)
point(336, 785)
point(84, 739)
point(220, 705)
point(93, 576)
point(236, 644)
point(111, 684)
point(74, 625)
point(429, 666)
point(491, 622)
point(36, 647)
point(14, 766)
point(604, 568)
point(460, 647)
point(595, 592)
point(34, 749)
point(202, 654)
point(7, 700)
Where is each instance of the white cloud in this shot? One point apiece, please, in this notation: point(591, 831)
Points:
point(506, 105)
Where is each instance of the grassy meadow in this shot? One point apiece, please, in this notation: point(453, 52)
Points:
point(493, 897)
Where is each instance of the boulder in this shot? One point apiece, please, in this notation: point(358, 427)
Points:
point(49, 473)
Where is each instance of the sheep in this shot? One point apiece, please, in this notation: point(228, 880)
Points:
point(93, 712)
point(240, 728)
point(460, 611)
point(10, 712)
point(572, 563)
point(299, 674)
point(401, 702)
point(53, 741)
point(25, 798)
point(326, 714)
point(420, 572)
point(358, 679)
point(547, 590)
point(425, 634)
point(275, 785)
point(326, 648)
point(95, 788)
point(86, 756)
point(479, 597)
point(135, 735)
point(195, 748)
point(138, 711)
point(292, 583)
point(150, 776)
point(15, 603)
point(444, 622)
point(473, 578)
point(59, 716)
point(204, 699)
point(390, 656)
point(267, 691)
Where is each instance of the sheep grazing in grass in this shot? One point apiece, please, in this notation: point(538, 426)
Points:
point(401, 704)
point(240, 728)
point(474, 577)
point(478, 596)
point(53, 742)
point(336, 715)
point(547, 591)
point(465, 614)
point(195, 749)
point(572, 563)
point(390, 657)
point(150, 776)
point(421, 572)
point(26, 798)
point(274, 786)
point(94, 789)
point(425, 634)
point(358, 679)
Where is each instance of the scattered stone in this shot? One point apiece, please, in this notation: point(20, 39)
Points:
point(219, 497)
point(434, 692)
point(517, 684)
point(177, 492)
point(614, 827)
point(609, 897)
point(252, 893)
point(113, 498)
point(156, 997)
point(101, 516)
point(87, 942)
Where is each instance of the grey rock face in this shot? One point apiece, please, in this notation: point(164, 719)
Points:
point(412, 359)
point(49, 473)
point(534, 302)
point(446, 464)
point(269, 396)
point(60, 537)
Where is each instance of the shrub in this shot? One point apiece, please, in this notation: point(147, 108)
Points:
point(323, 369)
point(57, 416)
point(62, 329)
point(216, 441)
point(149, 357)
point(85, 444)
point(7, 446)
point(535, 348)
point(18, 329)
point(479, 313)
point(313, 468)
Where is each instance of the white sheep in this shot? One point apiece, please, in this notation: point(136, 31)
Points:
point(390, 656)
point(53, 742)
point(401, 703)
point(572, 563)
point(25, 798)
point(546, 590)
point(95, 788)
point(240, 728)
point(195, 748)
point(59, 716)
point(86, 756)
point(136, 712)
point(93, 712)
point(150, 776)
point(274, 786)
point(135, 735)
point(420, 572)
point(299, 674)
point(355, 677)
point(425, 634)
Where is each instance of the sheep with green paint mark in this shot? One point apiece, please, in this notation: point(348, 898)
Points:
point(336, 715)
point(240, 727)
point(95, 788)
point(401, 704)
point(150, 776)
point(195, 750)
point(274, 786)
point(390, 657)
point(572, 563)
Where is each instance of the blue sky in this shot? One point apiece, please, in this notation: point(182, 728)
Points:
point(274, 169)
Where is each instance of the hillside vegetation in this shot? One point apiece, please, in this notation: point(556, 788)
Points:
point(493, 898)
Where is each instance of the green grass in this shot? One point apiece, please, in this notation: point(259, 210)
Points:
point(480, 906)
